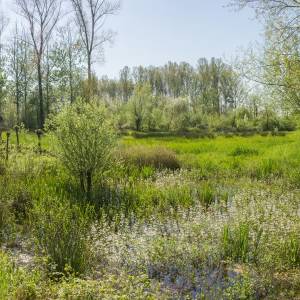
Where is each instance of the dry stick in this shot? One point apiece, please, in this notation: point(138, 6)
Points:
point(7, 144)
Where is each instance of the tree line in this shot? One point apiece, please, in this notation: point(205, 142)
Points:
point(212, 86)
point(49, 53)
point(46, 62)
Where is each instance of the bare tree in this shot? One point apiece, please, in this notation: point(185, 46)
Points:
point(3, 24)
point(90, 19)
point(16, 70)
point(27, 70)
point(73, 55)
point(284, 15)
point(42, 17)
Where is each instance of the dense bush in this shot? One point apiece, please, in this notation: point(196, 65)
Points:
point(157, 157)
point(287, 124)
point(86, 139)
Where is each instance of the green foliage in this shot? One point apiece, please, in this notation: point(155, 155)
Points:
point(221, 226)
point(61, 233)
point(86, 139)
point(113, 287)
point(141, 105)
point(287, 124)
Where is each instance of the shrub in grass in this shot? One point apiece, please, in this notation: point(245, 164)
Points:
point(287, 124)
point(229, 134)
point(157, 157)
point(239, 151)
point(264, 133)
point(268, 121)
point(86, 139)
point(61, 233)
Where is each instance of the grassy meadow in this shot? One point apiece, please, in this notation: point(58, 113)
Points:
point(175, 218)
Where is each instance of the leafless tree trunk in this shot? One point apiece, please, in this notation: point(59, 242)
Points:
point(3, 25)
point(26, 74)
point(73, 50)
point(90, 19)
point(16, 69)
point(47, 79)
point(42, 17)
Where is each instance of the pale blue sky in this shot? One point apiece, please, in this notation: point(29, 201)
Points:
point(153, 32)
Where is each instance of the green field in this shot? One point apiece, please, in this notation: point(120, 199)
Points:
point(233, 155)
point(223, 223)
point(228, 155)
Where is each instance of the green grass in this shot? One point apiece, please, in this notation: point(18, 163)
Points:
point(224, 223)
point(219, 150)
point(234, 156)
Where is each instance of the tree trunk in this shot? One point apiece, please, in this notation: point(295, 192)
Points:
point(47, 94)
point(138, 124)
point(89, 69)
point(41, 99)
point(89, 77)
point(71, 76)
point(81, 179)
point(7, 145)
point(25, 103)
point(18, 105)
point(17, 136)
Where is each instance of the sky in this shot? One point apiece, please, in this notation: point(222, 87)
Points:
point(153, 32)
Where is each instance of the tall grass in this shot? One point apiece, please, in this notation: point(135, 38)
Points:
point(236, 242)
point(61, 232)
